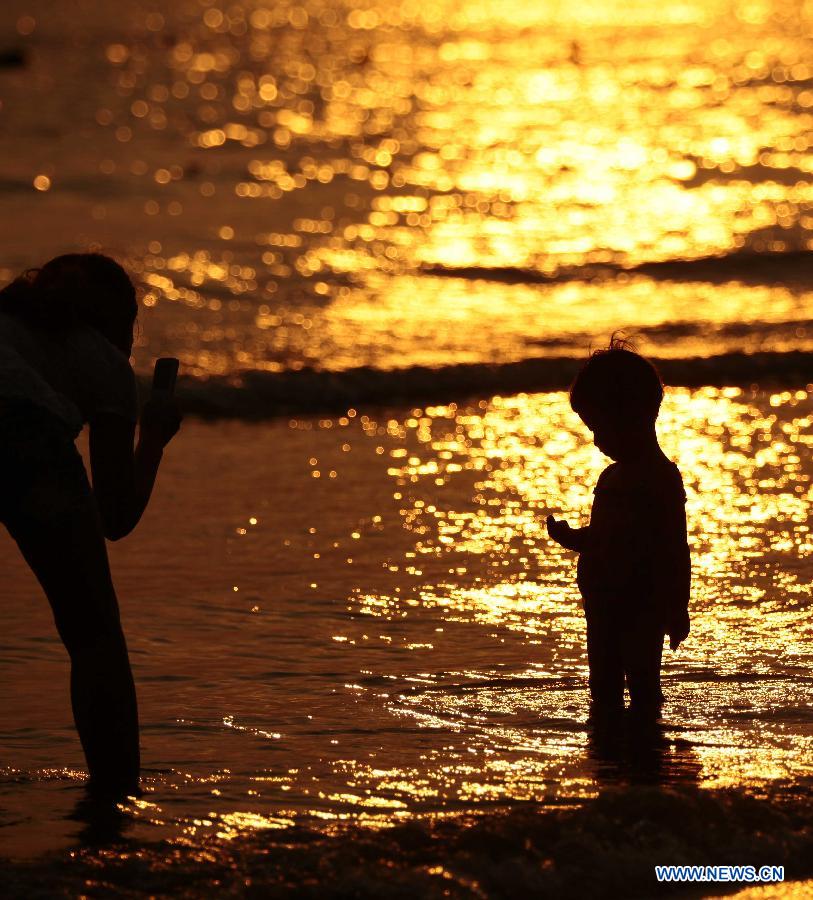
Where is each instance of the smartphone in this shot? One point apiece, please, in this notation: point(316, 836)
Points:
point(165, 375)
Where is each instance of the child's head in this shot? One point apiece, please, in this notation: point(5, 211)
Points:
point(76, 289)
point(617, 394)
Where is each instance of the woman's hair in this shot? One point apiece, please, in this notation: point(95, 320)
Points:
point(75, 289)
point(617, 382)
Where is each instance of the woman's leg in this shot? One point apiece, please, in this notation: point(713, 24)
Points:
point(68, 555)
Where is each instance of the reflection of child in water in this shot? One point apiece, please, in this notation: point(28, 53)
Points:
point(634, 568)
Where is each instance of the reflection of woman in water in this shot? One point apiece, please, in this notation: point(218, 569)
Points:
point(66, 333)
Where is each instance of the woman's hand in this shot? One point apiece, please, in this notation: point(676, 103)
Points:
point(160, 420)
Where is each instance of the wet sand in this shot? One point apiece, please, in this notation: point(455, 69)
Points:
point(605, 849)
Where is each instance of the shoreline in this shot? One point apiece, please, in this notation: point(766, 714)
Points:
point(255, 395)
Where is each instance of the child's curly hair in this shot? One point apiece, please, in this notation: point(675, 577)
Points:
point(617, 382)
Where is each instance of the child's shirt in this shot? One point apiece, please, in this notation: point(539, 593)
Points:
point(635, 556)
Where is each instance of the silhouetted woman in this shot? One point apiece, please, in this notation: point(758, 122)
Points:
point(66, 333)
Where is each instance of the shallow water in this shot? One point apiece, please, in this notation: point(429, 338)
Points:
point(364, 620)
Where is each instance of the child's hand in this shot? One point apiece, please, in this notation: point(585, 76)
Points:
point(678, 630)
point(560, 531)
point(570, 538)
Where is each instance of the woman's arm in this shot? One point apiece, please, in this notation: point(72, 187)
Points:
point(123, 478)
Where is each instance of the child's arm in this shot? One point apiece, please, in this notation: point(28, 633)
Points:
point(678, 572)
point(678, 628)
point(672, 567)
point(570, 538)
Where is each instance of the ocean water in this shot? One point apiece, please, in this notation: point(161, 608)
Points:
point(297, 185)
point(358, 619)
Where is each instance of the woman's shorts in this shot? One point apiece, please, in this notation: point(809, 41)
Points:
point(42, 477)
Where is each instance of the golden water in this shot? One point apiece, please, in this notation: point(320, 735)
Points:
point(280, 174)
point(362, 618)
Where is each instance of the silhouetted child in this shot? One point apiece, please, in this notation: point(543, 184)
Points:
point(634, 568)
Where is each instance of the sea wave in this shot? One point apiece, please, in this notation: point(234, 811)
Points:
point(262, 395)
point(761, 332)
point(746, 266)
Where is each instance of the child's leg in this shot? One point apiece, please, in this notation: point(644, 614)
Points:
point(642, 663)
point(604, 656)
